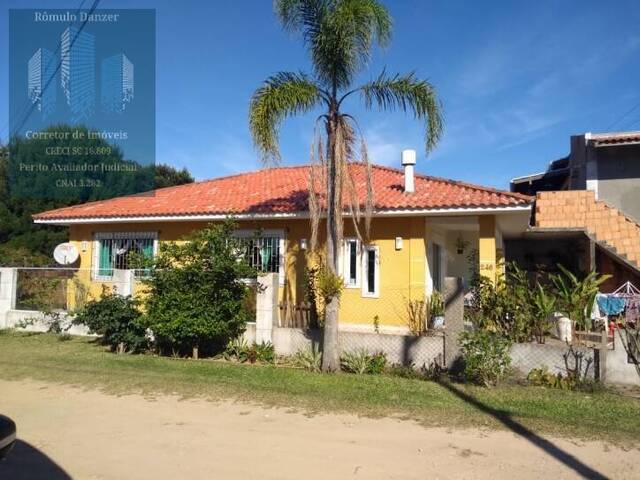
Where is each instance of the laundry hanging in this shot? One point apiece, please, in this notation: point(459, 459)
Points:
point(610, 304)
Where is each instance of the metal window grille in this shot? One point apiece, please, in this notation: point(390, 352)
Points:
point(117, 251)
point(263, 253)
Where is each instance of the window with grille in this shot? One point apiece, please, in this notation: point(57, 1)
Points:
point(118, 250)
point(263, 251)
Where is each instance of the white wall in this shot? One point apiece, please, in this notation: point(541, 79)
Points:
point(458, 264)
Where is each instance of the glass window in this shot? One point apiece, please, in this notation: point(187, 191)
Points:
point(371, 271)
point(351, 262)
point(263, 252)
point(436, 263)
point(117, 251)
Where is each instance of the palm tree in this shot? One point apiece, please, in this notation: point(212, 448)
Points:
point(340, 36)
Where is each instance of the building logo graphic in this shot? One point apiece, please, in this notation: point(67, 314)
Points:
point(78, 72)
point(117, 83)
point(77, 66)
point(42, 68)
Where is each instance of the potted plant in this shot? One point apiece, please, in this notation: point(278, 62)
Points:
point(436, 309)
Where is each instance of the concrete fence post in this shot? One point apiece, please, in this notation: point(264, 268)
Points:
point(266, 306)
point(453, 321)
point(124, 281)
point(8, 293)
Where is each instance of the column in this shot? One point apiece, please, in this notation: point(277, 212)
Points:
point(487, 252)
point(266, 306)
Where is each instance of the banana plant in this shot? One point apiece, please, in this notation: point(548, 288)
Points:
point(576, 296)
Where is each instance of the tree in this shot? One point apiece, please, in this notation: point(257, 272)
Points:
point(23, 243)
point(196, 291)
point(168, 176)
point(340, 36)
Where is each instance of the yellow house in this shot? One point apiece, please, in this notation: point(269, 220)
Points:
point(423, 229)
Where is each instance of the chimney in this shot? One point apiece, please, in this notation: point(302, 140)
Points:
point(408, 161)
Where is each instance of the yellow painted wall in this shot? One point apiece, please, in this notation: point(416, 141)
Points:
point(402, 272)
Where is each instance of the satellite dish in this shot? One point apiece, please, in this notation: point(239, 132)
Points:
point(65, 253)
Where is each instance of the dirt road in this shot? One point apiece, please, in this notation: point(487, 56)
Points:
point(69, 433)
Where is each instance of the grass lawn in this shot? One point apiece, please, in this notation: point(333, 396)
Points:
point(81, 362)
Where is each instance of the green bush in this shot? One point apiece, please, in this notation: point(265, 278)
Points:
point(117, 319)
point(362, 362)
point(542, 377)
point(310, 359)
point(576, 295)
point(196, 292)
point(265, 353)
point(486, 357)
point(239, 350)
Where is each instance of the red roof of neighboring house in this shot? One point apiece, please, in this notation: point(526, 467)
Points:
point(614, 138)
point(283, 190)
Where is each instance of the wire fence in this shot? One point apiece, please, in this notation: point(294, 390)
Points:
point(58, 289)
point(397, 321)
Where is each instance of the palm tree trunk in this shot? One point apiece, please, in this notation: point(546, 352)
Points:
point(330, 350)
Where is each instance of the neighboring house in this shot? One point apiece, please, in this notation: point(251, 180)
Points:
point(606, 163)
point(587, 209)
point(423, 229)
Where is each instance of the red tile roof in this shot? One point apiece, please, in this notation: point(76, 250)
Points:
point(284, 190)
point(614, 138)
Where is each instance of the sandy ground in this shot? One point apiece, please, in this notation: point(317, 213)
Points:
point(69, 433)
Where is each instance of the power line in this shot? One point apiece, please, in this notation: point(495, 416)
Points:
point(624, 115)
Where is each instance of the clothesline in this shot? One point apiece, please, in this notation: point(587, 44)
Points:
point(627, 289)
point(625, 300)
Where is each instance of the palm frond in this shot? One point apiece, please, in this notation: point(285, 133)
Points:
point(281, 95)
point(340, 34)
point(407, 93)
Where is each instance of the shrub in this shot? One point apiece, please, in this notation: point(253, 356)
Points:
point(504, 307)
point(486, 357)
point(117, 319)
point(542, 377)
point(575, 296)
point(196, 291)
point(239, 350)
point(362, 362)
point(543, 306)
point(417, 313)
point(265, 353)
point(436, 304)
point(309, 359)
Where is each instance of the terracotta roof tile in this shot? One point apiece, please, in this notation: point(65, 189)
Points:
point(284, 190)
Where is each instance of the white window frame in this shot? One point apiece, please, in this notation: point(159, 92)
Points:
point(346, 262)
point(98, 236)
point(365, 271)
point(273, 232)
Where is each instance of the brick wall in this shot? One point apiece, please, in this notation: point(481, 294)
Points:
point(580, 209)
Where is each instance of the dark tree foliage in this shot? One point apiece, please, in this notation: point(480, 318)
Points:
point(23, 243)
point(196, 291)
point(168, 176)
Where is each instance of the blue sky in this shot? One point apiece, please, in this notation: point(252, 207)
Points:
point(516, 79)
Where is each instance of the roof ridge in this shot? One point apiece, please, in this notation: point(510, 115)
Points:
point(457, 182)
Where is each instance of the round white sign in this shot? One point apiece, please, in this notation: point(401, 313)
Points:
point(65, 253)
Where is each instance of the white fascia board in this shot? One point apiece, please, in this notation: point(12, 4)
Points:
point(275, 216)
